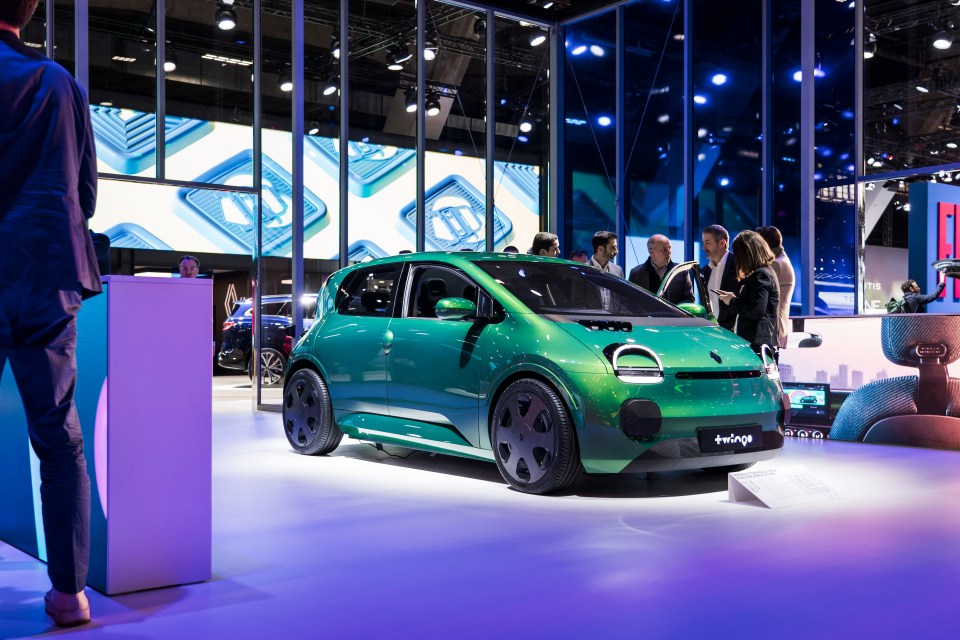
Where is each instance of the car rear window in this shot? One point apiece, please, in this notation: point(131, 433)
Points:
point(559, 288)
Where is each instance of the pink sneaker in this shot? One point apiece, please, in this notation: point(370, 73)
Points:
point(67, 609)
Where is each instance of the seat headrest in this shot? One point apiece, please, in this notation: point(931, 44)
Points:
point(374, 300)
point(900, 335)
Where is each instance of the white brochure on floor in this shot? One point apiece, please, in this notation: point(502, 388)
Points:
point(778, 487)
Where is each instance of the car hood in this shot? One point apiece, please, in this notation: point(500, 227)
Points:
point(681, 345)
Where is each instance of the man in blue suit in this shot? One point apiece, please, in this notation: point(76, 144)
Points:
point(48, 264)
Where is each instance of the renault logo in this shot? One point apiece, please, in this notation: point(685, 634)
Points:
point(715, 356)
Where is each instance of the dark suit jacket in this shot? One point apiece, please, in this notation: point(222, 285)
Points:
point(756, 303)
point(48, 172)
point(645, 275)
point(917, 302)
point(726, 314)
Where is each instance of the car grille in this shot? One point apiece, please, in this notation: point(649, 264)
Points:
point(716, 375)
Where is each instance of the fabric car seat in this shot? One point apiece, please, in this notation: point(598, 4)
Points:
point(922, 410)
point(432, 291)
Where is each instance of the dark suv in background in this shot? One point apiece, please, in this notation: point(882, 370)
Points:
point(277, 341)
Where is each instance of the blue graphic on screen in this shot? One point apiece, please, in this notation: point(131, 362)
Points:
point(455, 216)
point(128, 235)
point(229, 218)
point(127, 141)
point(362, 251)
point(522, 180)
point(371, 166)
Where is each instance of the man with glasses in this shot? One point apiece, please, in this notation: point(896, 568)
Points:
point(189, 267)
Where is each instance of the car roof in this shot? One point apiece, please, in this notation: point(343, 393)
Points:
point(458, 258)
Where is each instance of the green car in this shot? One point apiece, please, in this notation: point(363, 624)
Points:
point(547, 367)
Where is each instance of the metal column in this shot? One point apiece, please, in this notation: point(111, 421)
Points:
point(258, 184)
point(859, 241)
point(81, 42)
point(160, 149)
point(491, 130)
point(807, 219)
point(766, 115)
point(421, 126)
point(689, 197)
point(556, 205)
point(344, 129)
point(619, 165)
point(296, 224)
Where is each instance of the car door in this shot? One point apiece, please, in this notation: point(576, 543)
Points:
point(434, 364)
point(701, 306)
point(354, 341)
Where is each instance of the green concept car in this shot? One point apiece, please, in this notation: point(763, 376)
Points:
point(549, 368)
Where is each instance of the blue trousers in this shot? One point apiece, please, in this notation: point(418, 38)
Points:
point(38, 335)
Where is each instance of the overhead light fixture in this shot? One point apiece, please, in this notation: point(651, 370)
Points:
point(335, 44)
point(397, 54)
point(547, 5)
point(526, 126)
point(579, 49)
point(226, 17)
point(170, 64)
point(719, 79)
point(330, 85)
point(286, 83)
point(313, 128)
point(597, 50)
point(698, 99)
point(410, 100)
point(604, 121)
point(432, 106)
point(922, 89)
point(537, 38)
point(870, 47)
point(430, 47)
point(942, 40)
point(951, 145)
point(480, 26)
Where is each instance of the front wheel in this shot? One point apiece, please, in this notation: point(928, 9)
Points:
point(533, 439)
point(308, 415)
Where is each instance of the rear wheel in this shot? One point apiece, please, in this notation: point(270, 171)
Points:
point(308, 415)
point(533, 439)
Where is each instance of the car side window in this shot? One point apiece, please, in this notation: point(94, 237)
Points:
point(369, 292)
point(431, 284)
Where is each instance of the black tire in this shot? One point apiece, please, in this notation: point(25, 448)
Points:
point(271, 367)
point(308, 415)
point(730, 468)
point(533, 439)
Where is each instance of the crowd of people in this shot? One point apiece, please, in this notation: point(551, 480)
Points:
point(750, 280)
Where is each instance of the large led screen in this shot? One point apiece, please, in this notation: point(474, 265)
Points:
point(382, 188)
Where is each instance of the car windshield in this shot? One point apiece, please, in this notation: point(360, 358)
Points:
point(571, 288)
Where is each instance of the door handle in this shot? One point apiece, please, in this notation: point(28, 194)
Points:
point(387, 341)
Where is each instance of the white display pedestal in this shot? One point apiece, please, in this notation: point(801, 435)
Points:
point(145, 405)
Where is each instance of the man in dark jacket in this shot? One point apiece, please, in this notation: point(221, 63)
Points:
point(48, 264)
point(916, 300)
point(720, 273)
point(651, 272)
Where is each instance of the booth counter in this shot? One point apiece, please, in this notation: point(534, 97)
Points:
point(144, 400)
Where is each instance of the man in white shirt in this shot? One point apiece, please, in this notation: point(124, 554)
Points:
point(604, 251)
point(721, 273)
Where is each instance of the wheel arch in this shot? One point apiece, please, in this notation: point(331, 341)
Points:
point(570, 402)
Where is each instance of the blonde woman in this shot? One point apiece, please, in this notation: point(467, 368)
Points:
point(759, 296)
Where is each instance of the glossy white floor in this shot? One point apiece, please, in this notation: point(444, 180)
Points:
point(364, 545)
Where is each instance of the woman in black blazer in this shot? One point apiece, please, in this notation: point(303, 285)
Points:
point(756, 302)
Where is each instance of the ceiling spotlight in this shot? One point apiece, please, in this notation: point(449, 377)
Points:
point(719, 79)
point(410, 100)
point(335, 44)
point(922, 89)
point(951, 145)
point(226, 18)
point(480, 26)
point(397, 54)
point(604, 121)
point(537, 38)
point(526, 126)
point(170, 64)
point(330, 85)
point(286, 83)
point(313, 128)
point(942, 40)
point(870, 47)
point(597, 50)
point(432, 105)
point(430, 47)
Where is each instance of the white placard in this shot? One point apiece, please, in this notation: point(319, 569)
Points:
point(778, 487)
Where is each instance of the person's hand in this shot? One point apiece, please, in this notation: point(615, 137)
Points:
point(725, 296)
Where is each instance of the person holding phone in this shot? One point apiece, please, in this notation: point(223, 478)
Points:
point(916, 300)
point(759, 296)
point(720, 273)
